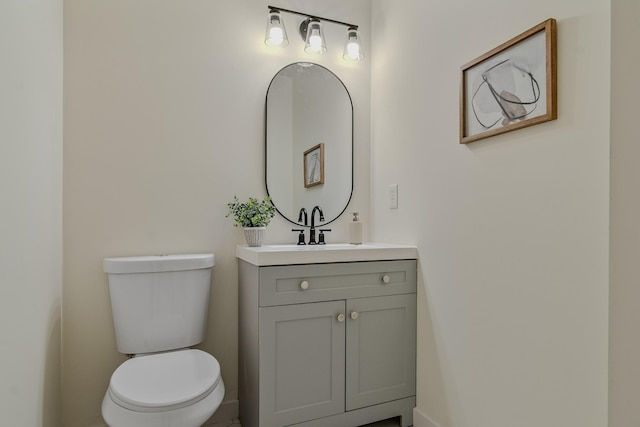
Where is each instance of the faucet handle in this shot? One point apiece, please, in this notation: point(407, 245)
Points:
point(300, 236)
point(321, 236)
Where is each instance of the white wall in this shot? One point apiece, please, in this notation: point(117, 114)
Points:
point(30, 211)
point(164, 123)
point(624, 351)
point(512, 231)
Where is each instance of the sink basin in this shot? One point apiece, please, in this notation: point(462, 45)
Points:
point(333, 252)
point(327, 247)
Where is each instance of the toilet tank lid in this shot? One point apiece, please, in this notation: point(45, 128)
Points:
point(157, 263)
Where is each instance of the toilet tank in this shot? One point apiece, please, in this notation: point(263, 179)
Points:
point(159, 303)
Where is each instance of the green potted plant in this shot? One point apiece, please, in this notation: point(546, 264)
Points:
point(253, 215)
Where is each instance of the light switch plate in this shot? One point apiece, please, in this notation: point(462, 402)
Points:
point(393, 196)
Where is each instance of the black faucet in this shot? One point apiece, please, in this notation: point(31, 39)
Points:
point(303, 214)
point(300, 236)
point(312, 230)
point(321, 240)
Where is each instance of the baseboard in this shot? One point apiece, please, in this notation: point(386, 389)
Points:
point(228, 410)
point(421, 420)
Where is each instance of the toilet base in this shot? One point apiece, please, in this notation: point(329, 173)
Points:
point(190, 416)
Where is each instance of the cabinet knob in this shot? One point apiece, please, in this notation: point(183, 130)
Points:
point(354, 315)
point(304, 285)
point(386, 278)
point(340, 317)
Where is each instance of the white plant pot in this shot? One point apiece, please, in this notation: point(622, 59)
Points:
point(254, 235)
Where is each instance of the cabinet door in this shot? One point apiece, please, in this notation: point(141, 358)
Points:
point(302, 362)
point(381, 349)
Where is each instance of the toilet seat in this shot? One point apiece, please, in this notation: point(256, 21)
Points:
point(164, 381)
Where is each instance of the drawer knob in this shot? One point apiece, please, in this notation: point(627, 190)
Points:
point(340, 317)
point(304, 285)
point(354, 315)
point(386, 279)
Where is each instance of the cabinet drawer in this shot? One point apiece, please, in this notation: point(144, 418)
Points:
point(280, 285)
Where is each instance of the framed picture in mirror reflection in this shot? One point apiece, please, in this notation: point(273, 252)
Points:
point(314, 166)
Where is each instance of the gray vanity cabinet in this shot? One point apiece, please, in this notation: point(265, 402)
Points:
point(302, 362)
point(381, 349)
point(327, 344)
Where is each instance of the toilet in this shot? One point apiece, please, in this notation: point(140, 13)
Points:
point(160, 306)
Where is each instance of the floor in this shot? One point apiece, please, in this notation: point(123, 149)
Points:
point(236, 423)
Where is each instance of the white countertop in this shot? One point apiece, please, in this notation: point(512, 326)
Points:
point(316, 254)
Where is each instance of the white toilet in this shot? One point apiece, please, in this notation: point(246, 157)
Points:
point(160, 306)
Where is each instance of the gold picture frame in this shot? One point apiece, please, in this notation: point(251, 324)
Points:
point(511, 87)
point(313, 160)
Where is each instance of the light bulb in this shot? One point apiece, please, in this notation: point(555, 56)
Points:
point(315, 41)
point(353, 50)
point(276, 36)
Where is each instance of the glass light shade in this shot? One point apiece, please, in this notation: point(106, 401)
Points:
point(276, 35)
point(314, 43)
point(352, 50)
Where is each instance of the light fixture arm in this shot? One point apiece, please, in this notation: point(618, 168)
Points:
point(313, 16)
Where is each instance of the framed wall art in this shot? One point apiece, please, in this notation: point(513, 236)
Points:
point(314, 166)
point(511, 87)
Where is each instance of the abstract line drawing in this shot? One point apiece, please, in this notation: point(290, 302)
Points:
point(498, 93)
point(510, 87)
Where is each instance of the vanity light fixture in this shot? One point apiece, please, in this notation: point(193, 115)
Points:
point(276, 35)
point(314, 43)
point(352, 46)
point(312, 33)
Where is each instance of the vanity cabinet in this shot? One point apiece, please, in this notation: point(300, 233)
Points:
point(327, 344)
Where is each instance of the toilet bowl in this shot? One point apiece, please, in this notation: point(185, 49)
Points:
point(160, 307)
point(181, 388)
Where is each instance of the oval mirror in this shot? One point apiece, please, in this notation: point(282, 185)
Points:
point(309, 142)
